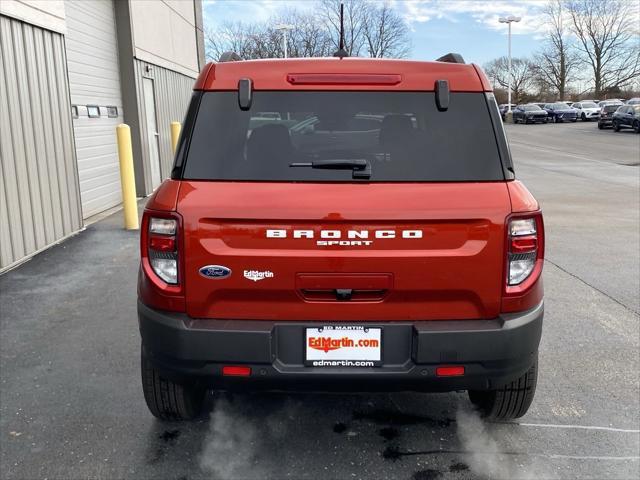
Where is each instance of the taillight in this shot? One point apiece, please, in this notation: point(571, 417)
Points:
point(524, 235)
point(162, 248)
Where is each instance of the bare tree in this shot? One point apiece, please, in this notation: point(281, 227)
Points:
point(385, 32)
point(370, 28)
point(354, 23)
point(236, 37)
point(608, 41)
point(557, 61)
point(309, 38)
point(522, 75)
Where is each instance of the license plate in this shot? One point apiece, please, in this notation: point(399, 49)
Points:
point(343, 346)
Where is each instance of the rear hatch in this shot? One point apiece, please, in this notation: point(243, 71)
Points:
point(393, 210)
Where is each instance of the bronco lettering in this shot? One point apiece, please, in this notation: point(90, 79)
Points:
point(338, 234)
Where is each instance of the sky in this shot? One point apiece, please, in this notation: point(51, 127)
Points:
point(468, 27)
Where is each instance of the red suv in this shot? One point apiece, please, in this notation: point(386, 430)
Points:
point(341, 224)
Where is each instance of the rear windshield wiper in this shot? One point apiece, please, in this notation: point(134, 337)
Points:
point(360, 167)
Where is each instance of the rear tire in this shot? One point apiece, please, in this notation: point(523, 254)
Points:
point(616, 126)
point(508, 402)
point(168, 400)
point(636, 126)
point(600, 126)
point(584, 117)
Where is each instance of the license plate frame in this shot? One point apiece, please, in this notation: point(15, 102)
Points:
point(339, 346)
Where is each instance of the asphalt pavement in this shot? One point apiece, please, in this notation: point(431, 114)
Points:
point(71, 405)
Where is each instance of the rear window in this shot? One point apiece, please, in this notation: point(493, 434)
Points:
point(401, 135)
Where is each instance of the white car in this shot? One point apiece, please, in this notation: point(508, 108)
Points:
point(587, 111)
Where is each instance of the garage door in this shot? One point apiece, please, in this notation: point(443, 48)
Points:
point(94, 82)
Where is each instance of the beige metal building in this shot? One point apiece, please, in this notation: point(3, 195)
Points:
point(70, 71)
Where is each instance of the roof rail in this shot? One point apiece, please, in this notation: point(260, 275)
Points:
point(451, 58)
point(229, 57)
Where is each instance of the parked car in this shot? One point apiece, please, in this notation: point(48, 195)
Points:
point(633, 101)
point(627, 116)
point(504, 107)
point(587, 110)
point(561, 112)
point(606, 115)
point(541, 105)
point(529, 113)
point(270, 263)
point(609, 102)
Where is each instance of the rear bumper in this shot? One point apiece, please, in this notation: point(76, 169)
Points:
point(493, 352)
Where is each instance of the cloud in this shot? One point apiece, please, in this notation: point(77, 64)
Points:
point(484, 13)
point(217, 12)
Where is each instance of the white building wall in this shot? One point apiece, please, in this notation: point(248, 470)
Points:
point(48, 14)
point(39, 196)
point(94, 81)
point(164, 33)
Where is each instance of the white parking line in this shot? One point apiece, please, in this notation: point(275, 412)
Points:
point(581, 427)
point(568, 154)
point(588, 457)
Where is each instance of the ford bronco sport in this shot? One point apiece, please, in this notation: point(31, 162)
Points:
point(341, 224)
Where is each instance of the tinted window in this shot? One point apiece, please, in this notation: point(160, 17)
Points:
point(611, 108)
point(589, 105)
point(402, 135)
point(529, 108)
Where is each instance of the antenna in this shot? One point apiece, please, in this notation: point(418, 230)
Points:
point(341, 51)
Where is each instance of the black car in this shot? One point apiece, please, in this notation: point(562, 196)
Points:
point(504, 107)
point(561, 112)
point(529, 113)
point(627, 116)
point(606, 115)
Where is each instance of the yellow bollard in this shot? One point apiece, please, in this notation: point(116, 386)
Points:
point(175, 135)
point(127, 177)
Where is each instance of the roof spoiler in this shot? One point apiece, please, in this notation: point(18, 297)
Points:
point(451, 58)
point(229, 57)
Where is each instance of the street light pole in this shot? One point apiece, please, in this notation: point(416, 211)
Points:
point(509, 88)
point(509, 20)
point(284, 28)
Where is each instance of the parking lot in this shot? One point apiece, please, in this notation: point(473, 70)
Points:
point(72, 406)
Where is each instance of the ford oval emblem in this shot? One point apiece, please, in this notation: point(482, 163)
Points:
point(215, 271)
